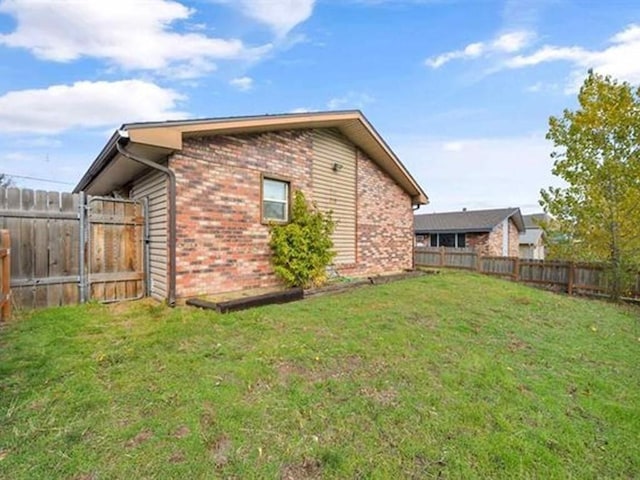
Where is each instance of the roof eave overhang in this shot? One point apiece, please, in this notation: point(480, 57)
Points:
point(103, 158)
point(168, 137)
point(111, 171)
point(516, 216)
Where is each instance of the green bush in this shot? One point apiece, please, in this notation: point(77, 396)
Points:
point(303, 249)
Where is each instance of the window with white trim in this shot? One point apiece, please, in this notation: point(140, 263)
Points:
point(275, 200)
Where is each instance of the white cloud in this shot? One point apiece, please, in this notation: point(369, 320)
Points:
point(350, 100)
point(535, 88)
point(616, 60)
point(128, 34)
point(478, 172)
point(243, 84)
point(545, 87)
point(30, 142)
point(279, 15)
point(509, 42)
point(452, 146)
point(548, 54)
point(86, 105)
point(300, 110)
point(512, 41)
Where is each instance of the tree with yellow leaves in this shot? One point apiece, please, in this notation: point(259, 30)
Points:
point(597, 153)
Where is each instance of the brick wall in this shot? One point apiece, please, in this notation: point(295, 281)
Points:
point(221, 244)
point(491, 244)
point(514, 239)
point(384, 224)
point(494, 242)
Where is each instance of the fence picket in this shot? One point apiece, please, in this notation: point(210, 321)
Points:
point(5, 275)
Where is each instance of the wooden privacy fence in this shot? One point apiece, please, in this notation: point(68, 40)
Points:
point(67, 248)
point(5, 275)
point(573, 277)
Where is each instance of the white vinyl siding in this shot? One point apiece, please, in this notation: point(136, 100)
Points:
point(334, 188)
point(153, 187)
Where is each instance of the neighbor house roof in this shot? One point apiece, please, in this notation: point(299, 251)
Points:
point(533, 220)
point(156, 140)
point(531, 237)
point(474, 221)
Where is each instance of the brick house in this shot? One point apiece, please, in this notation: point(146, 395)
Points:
point(532, 240)
point(488, 232)
point(212, 186)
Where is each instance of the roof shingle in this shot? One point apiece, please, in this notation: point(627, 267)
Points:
point(466, 221)
point(533, 220)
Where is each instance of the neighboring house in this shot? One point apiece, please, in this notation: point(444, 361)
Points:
point(488, 232)
point(532, 240)
point(213, 186)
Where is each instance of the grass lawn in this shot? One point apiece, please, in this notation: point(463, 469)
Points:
point(443, 376)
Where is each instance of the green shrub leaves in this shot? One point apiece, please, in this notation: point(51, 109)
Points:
point(303, 249)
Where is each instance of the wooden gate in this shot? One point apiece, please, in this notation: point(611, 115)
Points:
point(68, 248)
point(115, 258)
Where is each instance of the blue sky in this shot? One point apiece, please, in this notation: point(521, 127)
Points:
point(461, 90)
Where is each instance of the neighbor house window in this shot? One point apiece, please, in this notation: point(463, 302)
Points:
point(461, 241)
point(448, 240)
point(275, 200)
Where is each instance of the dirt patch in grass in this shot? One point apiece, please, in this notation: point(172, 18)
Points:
point(139, 439)
point(426, 321)
point(182, 431)
point(387, 397)
point(316, 372)
point(522, 300)
point(320, 372)
point(125, 307)
point(306, 470)
point(425, 468)
point(287, 369)
point(258, 388)
point(220, 450)
point(208, 416)
point(85, 476)
point(177, 457)
point(38, 404)
point(515, 344)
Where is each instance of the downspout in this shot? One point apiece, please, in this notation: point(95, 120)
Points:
point(172, 210)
